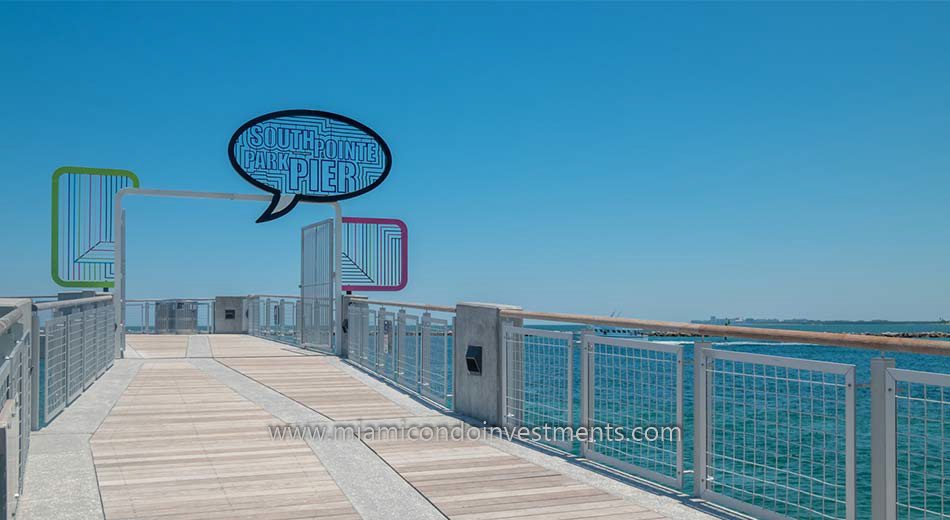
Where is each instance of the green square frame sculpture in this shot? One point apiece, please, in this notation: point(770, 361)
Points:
point(83, 238)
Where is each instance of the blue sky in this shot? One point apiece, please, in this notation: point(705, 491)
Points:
point(661, 161)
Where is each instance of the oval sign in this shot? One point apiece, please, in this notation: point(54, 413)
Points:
point(308, 155)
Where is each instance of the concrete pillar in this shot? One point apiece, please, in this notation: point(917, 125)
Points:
point(233, 306)
point(480, 396)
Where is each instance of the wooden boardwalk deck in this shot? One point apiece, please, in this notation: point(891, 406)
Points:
point(179, 445)
point(158, 347)
point(469, 480)
point(316, 383)
point(237, 345)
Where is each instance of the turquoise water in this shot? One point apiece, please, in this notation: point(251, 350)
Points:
point(818, 429)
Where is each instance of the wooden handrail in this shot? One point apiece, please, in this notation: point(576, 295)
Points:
point(421, 306)
point(882, 343)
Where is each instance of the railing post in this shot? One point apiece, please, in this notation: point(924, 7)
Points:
point(281, 318)
point(399, 344)
point(267, 317)
point(587, 391)
point(423, 370)
point(883, 441)
point(382, 339)
point(700, 391)
point(35, 370)
point(298, 321)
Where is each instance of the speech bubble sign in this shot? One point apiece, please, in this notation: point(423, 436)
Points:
point(308, 155)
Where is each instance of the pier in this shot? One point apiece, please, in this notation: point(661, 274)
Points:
point(206, 425)
point(179, 429)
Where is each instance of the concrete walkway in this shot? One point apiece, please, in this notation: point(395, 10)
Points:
point(182, 431)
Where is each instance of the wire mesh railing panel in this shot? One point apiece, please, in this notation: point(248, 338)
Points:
point(356, 330)
point(386, 355)
point(276, 319)
point(253, 314)
point(779, 435)
point(636, 387)
point(922, 420)
point(288, 319)
point(75, 357)
point(77, 349)
point(110, 336)
point(90, 350)
point(538, 381)
point(412, 351)
point(371, 350)
point(102, 323)
point(54, 364)
point(98, 319)
point(435, 367)
point(408, 335)
point(205, 316)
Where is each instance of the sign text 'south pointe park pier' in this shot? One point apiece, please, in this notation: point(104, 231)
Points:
point(308, 155)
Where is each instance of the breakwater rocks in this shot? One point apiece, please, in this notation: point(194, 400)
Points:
point(931, 334)
point(927, 335)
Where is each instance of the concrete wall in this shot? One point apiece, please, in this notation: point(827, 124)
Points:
point(479, 396)
point(222, 304)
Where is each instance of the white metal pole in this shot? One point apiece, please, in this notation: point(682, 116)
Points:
point(699, 419)
point(883, 441)
point(119, 220)
point(337, 280)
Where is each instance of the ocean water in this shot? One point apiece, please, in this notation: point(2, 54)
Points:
point(821, 430)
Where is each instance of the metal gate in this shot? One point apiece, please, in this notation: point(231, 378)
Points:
point(318, 297)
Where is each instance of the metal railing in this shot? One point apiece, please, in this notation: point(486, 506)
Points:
point(52, 351)
point(412, 350)
point(914, 432)
point(775, 435)
point(539, 375)
point(651, 378)
point(169, 316)
point(16, 396)
point(77, 345)
point(274, 317)
point(772, 436)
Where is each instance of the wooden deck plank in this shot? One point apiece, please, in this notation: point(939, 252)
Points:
point(241, 345)
point(157, 347)
point(314, 382)
point(161, 454)
point(471, 480)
